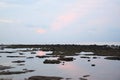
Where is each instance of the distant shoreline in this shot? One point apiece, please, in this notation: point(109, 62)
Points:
point(82, 43)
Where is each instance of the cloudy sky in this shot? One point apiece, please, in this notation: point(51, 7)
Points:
point(59, 21)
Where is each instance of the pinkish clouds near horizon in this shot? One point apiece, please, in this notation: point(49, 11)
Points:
point(56, 21)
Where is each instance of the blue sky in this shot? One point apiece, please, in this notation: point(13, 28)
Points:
point(59, 21)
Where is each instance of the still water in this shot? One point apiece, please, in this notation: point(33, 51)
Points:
point(103, 69)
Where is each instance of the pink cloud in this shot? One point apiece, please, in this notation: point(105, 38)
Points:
point(64, 20)
point(73, 13)
point(41, 31)
point(76, 11)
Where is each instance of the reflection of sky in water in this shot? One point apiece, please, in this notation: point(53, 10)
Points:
point(41, 53)
point(104, 69)
point(86, 53)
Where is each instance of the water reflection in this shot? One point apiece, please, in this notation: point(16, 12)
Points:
point(68, 66)
point(75, 69)
point(41, 53)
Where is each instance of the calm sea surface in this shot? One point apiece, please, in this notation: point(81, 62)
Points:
point(103, 69)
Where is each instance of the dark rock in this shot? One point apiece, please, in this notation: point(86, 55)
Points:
point(11, 72)
point(44, 78)
point(33, 52)
point(15, 72)
point(94, 57)
point(89, 60)
point(18, 61)
point(85, 57)
point(92, 64)
point(20, 64)
point(15, 56)
point(86, 75)
point(21, 53)
point(82, 78)
point(68, 78)
point(51, 61)
point(42, 56)
point(66, 58)
point(30, 57)
point(6, 52)
point(113, 58)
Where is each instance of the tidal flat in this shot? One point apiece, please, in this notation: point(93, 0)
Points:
point(59, 62)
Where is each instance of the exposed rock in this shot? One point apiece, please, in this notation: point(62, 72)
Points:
point(18, 61)
point(113, 58)
point(21, 53)
point(66, 58)
point(44, 78)
point(11, 72)
point(42, 56)
point(85, 57)
point(82, 78)
point(89, 60)
point(86, 75)
point(94, 57)
point(92, 64)
point(15, 56)
point(51, 61)
point(6, 52)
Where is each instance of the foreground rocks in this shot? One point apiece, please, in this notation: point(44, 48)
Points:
point(44, 78)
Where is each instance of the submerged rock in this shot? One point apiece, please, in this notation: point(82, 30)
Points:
point(68, 78)
point(15, 72)
point(82, 78)
point(20, 64)
point(30, 57)
point(11, 72)
point(5, 67)
point(44, 78)
point(21, 53)
point(33, 52)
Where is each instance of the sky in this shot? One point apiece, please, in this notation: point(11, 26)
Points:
point(59, 21)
